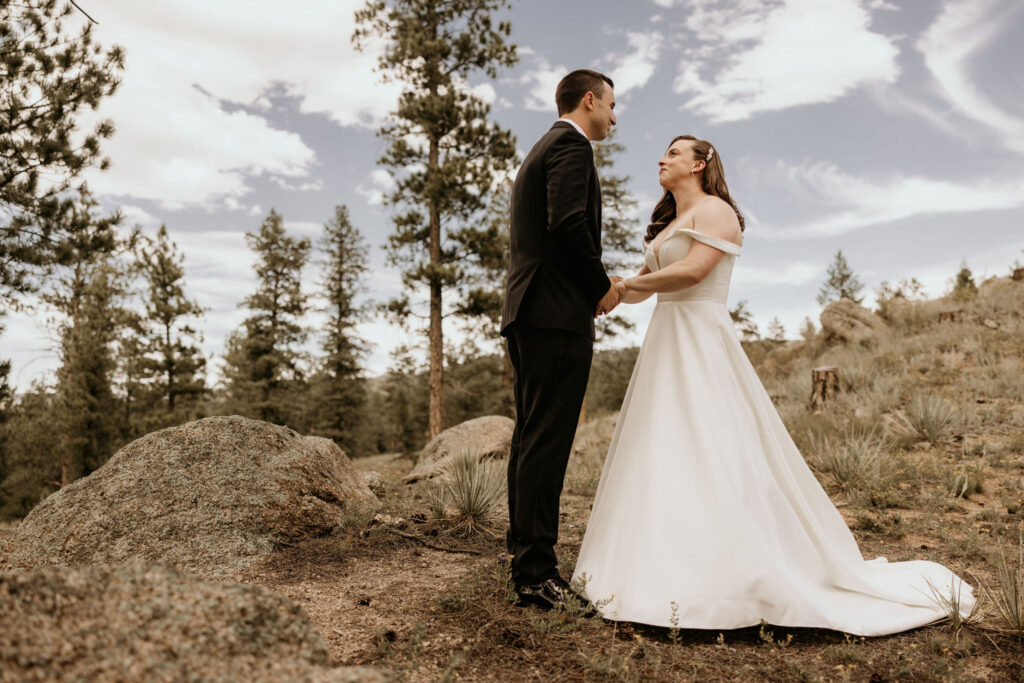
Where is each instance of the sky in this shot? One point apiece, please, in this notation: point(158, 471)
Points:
point(892, 130)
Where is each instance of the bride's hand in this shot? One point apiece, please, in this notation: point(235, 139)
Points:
point(621, 287)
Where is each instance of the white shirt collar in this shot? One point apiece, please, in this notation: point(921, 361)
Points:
point(575, 125)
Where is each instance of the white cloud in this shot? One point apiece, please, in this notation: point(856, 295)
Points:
point(310, 186)
point(630, 70)
point(135, 215)
point(795, 274)
point(541, 83)
point(961, 30)
point(635, 68)
point(764, 55)
point(848, 202)
point(381, 182)
point(176, 143)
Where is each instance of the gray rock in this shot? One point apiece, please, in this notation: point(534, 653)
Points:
point(487, 437)
point(850, 322)
point(141, 622)
point(375, 482)
point(211, 497)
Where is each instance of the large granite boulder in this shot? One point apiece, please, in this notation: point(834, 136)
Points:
point(211, 497)
point(850, 322)
point(140, 622)
point(487, 437)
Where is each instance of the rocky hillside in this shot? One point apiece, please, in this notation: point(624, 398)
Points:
point(920, 444)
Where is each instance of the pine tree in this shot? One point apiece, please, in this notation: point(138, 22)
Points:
point(842, 283)
point(808, 329)
point(6, 400)
point(32, 450)
point(88, 295)
point(50, 76)
point(262, 362)
point(342, 391)
point(444, 152)
point(776, 331)
point(743, 319)
point(964, 287)
point(620, 232)
point(171, 366)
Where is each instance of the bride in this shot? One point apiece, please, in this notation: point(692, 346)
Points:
point(706, 515)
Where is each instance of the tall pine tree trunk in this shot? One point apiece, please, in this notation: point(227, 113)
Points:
point(436, 332)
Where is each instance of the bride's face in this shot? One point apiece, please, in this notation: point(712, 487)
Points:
point(676, 164)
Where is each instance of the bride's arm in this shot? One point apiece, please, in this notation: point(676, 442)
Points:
point(633, 297)
point(700, 261)
point(718, 220)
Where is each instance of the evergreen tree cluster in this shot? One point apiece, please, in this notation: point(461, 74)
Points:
point(127, 331)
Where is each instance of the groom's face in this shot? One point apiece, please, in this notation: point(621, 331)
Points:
point(602, 116)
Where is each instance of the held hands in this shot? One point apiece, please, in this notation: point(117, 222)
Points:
point(611, 298)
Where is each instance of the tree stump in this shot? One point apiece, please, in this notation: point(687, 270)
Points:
point(949, 316)
point(1018, 274)
point(824, 384)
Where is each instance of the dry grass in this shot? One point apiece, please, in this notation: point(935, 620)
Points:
point(851, 460)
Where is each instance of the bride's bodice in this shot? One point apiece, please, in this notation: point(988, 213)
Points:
point(675, 247)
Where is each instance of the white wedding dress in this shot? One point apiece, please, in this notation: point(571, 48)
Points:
point(705, 502)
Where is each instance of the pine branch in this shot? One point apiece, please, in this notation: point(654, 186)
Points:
point(83, 12)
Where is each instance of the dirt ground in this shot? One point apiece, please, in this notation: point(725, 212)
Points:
point(382, 596)
point(385, 599)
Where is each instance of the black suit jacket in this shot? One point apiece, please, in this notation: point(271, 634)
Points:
point(555, 276)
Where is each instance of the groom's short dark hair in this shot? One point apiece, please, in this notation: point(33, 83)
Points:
point(575, 85)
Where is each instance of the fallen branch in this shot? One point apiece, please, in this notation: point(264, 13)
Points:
point(411, 537)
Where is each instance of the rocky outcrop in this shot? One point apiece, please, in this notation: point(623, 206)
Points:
point(486, 437)
point(211, 497)
point(847, 321)
point(140, 622)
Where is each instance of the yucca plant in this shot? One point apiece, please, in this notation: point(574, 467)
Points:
point(852, 459)
point(1007, 595)
point(951, 602)
point(470, 493)
point(964, 482)
point(927, 418)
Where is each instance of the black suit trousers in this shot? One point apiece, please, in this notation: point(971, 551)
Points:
point(551, 370)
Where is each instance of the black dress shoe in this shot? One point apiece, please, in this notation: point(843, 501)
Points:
point(546, 594)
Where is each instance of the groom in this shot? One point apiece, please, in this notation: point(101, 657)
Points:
point(556, 286)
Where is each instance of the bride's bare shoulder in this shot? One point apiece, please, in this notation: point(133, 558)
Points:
point(713, 216)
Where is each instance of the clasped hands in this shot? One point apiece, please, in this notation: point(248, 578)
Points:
point(612, 298)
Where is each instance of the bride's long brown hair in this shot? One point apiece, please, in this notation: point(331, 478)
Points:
point(712, 181)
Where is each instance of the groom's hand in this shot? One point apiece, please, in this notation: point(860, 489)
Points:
point(611, 298)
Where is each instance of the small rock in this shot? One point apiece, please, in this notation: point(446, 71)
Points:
point(850, 322)
point(375, 482)
point(990, 323)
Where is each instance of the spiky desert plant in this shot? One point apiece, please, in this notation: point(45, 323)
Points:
point(951, 602)
point(1007, 594)
point(927, 418)
point(473, 492)
point(852, 459)
point(964, 481)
